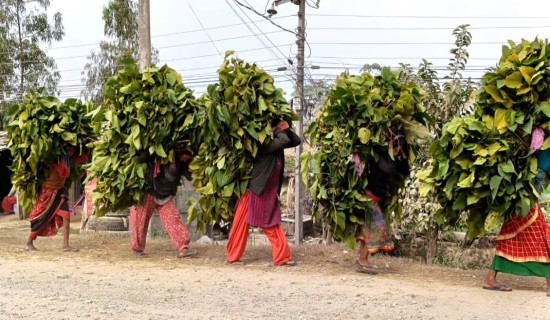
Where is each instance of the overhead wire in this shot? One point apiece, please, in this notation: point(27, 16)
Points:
point(206, 32)
point(261, 15)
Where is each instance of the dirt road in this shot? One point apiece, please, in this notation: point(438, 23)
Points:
point(104, 281)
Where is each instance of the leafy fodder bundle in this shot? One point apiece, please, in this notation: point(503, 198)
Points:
point(41, 129)
point(148, 114)
point(483, 164)
point(361, 117)
point(241, 112)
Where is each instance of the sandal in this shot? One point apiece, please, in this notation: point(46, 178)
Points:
point(289, 263)
point(70, 249)
point(498, 287)
point(187, 253)
point(31, 249)
point(236, 263)
point(364, 268)
point(140, 254)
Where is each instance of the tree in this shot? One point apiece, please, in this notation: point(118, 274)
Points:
point(315, 93)
point(24, 65)
point(121, 29)
point(448, 97)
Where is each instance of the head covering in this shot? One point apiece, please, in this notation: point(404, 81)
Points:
point(537, 139)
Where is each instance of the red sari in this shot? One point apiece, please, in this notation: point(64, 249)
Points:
point(51, 206)
point(523, 239)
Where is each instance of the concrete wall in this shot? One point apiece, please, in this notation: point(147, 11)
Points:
point(155, 225)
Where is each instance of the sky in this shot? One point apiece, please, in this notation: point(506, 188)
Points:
point(192, 35)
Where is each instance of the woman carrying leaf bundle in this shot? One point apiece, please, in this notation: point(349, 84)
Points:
point(259, 205)
point(523, 244)
point(163, 181)
point(375, 236)
point(51, 210)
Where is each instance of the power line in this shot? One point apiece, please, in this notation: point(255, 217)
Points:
point(254, 33)
point(215, 40)
point(268, 19)
point(397, 58)
point(425, 28)
point(207, 34)
point(159, 35)
point(404, 43)
point(422, 17)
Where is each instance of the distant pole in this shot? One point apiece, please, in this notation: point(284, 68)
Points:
point(298, 187)
point(144, 29)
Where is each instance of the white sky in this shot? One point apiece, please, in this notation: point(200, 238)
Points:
point(333, 50)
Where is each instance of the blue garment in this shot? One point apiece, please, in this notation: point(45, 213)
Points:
point(543, 159)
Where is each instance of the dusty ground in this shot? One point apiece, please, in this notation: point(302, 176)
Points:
point(104, 281)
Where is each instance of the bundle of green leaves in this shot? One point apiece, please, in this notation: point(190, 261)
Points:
point(240, 112)
point(148, 115)
point(40, 131)
point(483, 165)
point(361, 117)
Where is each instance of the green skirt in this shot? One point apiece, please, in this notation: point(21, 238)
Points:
point(530, 268)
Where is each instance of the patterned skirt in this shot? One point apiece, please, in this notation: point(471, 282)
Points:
point(376, 235)
point(523, 245)
point(48, 212)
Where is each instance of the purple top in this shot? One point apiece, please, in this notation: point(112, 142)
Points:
point(264, 210)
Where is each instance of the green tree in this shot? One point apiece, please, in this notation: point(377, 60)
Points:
point(121, 30)
point(315, 93)
point(447, 97)
point(24, 64)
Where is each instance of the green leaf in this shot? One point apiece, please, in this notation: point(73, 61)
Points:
point(494, 185)
point(515, 80)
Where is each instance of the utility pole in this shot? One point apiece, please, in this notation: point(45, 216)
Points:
point(144, 29)
point(298, 187)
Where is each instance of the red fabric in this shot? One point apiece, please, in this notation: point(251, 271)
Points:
point(7, 204)
point(88, 202)
point(156, 171)
point(45, 199)
point(264, 210)
point(170, 217)
point(83, 158)
point(239, 235)
point(525, 239)
point(62, 168)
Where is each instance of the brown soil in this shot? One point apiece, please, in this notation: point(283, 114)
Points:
point(104, 281)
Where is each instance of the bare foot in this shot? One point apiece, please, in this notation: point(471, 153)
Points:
point(30, 248)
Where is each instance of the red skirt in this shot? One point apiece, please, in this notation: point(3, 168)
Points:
point(48, 212)
point(525, 239)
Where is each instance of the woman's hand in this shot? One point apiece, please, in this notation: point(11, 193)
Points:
point(282, 125)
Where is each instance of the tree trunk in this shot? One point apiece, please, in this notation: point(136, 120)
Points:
point(431, 247)
point(21, 56)
point(327, 235)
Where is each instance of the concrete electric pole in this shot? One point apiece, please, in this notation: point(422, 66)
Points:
point(144, 29)
point(298, 186)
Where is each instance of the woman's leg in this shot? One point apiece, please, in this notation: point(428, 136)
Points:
point(139, 222)
point(279, 245)
point(30, 245)
point(171, 219)
point(363, 254)
point(66, 233)
point(239, 231)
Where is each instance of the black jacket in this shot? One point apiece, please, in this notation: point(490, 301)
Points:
point(379, 172)
point(265, 161)
point(167, 180)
